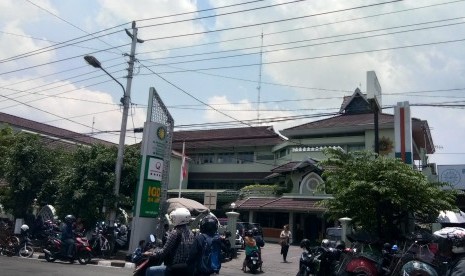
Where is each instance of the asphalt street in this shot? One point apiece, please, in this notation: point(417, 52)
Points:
point(273, 265)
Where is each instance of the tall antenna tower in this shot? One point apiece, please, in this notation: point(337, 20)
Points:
point(259, 86)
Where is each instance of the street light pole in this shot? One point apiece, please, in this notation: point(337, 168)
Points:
point(125, 100)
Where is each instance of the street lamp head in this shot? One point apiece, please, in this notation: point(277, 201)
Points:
point(233, 206)
point(93, 61)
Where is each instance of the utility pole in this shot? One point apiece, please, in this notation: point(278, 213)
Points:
point(125, 100)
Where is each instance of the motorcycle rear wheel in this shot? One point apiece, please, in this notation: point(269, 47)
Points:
point(84, 257)
point(26, 251)
point(49, 258)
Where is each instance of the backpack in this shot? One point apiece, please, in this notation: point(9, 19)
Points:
point(211, 250)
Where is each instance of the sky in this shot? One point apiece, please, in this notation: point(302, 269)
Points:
point(233, 63)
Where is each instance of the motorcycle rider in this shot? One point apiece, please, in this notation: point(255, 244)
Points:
point(67, 236)
point(259, 240)
point(451, 242)
point(208, 227)
point(175, 252)
point(250, 246)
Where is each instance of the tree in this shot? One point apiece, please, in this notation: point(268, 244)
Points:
point(27, 166)
point(87, 185)
point(380, 193)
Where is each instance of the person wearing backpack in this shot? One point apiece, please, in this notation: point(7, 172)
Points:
point(205, 254)
point(175, 252)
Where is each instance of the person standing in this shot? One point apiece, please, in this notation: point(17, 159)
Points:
point(285, 240)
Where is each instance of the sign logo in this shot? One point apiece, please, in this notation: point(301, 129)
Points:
point(161, 133)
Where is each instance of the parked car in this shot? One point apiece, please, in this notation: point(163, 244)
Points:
point(333, 234)
point(239, 240)
point(245, 226)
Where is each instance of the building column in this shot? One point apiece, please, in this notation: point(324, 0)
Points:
point(251, 216)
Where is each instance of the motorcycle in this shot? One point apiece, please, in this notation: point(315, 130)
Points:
point(144, 262)
point(25, 249)
point(253, 262)
point(227, 252)
point(120, 237)
point(320, 260)
point(99, 244)
point(82, 251)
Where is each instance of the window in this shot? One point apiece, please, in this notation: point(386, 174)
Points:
point(359, 147)
point(265, 157)
point(245, 157)
point(206, 158)
point(226, 158)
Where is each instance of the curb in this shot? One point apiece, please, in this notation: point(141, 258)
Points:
point(99, 262)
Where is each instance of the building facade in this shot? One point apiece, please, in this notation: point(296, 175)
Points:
point(229, 159)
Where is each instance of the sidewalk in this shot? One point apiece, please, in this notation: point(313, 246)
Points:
point(117, 261)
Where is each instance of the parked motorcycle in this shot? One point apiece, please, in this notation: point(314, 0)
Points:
point(81, 252)
point(8, 241)
point(120, 237)
point(99, 243)
point(321, 260)
point(253, 262)
point(25, 249)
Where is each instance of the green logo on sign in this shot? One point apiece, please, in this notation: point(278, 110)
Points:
point(161, 133)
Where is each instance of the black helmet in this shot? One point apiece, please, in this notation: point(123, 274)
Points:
point(70, 219)
point(305, 243)
point(249, 233)
point(209, 225)
point(255, 231)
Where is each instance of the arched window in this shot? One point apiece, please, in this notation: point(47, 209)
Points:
point(309, 184)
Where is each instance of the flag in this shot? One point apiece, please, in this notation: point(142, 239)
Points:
point(183, 168)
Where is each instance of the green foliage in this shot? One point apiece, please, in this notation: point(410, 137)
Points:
point(86, 186)
point(27, 166)
point(261, 190)
point(380, 193)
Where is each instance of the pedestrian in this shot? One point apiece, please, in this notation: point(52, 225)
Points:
point(285, 240)
point(175, 252)
point(451, 246)
point(205, 254)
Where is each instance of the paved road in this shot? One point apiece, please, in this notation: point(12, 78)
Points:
point(272, 265)
point(272, 262)
point(15, 266)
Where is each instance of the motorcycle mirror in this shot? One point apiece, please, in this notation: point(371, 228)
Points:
point(152, 238)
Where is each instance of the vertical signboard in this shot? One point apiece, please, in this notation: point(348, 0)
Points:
point(153, 179)
point(153, 154)
point(403, 132)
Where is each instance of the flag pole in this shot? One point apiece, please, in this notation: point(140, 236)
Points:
point(181, 175)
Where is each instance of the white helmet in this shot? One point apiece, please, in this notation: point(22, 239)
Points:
point(24, 227)
point(454, 235)
point(180, 216)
